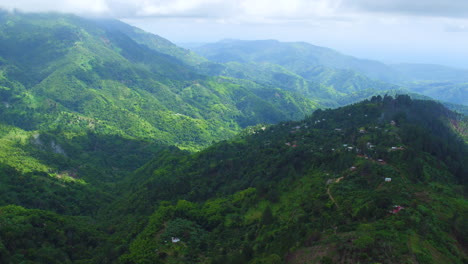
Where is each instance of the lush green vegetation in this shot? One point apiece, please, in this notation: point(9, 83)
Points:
point(91, 76)
point(313, 191)
point(98, 126)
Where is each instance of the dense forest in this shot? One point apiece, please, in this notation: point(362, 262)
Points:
point(382, 181)
point(117, 146)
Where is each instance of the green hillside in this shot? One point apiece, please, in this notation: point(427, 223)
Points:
point(65, 73)
point(117, 146)
point(313, 191)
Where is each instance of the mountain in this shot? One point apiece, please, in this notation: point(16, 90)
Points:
point(66, 73)
point(312, 62)
point(379, 181)
point(117, 146)
point(313, 190)
point(153, 41)
point(298, 57)
point(328, 86)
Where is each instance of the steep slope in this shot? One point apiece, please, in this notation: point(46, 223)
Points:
point(154, 42)
point(380, 181)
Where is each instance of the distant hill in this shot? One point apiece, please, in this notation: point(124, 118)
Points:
point(299, 57)
point(309, 61)
point(430, 72)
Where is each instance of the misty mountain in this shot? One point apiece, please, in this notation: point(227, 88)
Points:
point(299, 57)
point(308, 61)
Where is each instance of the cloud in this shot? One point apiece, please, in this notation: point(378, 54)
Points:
point(69, 6)
point(432, 8)
point(246, 11)
point(174, 8)
point(456, 28)
point(226, 9)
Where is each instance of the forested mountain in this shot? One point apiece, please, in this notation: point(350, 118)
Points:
point(383, 181)
point(311, 62)
point(65, 73)
point(117, 146)
point(380, 181)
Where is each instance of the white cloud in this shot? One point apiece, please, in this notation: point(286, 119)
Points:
point(431, 8)
point(456, 28)
point(244, 9)
point(69, 6)
point(224, 9)
point(358, 27)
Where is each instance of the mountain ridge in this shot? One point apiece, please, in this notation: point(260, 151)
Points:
point(301, 57)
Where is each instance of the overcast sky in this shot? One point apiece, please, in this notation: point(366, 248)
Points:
point(424, 31)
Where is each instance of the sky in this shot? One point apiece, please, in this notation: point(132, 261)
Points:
point(392, 31)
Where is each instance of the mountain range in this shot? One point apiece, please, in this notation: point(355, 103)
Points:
point(118, 146)
point(314, 62)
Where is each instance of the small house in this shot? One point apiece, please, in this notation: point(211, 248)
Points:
point(396, 209)
point(175, 239)
point(388, 179)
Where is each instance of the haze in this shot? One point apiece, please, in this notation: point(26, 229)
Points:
point(393, 31)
